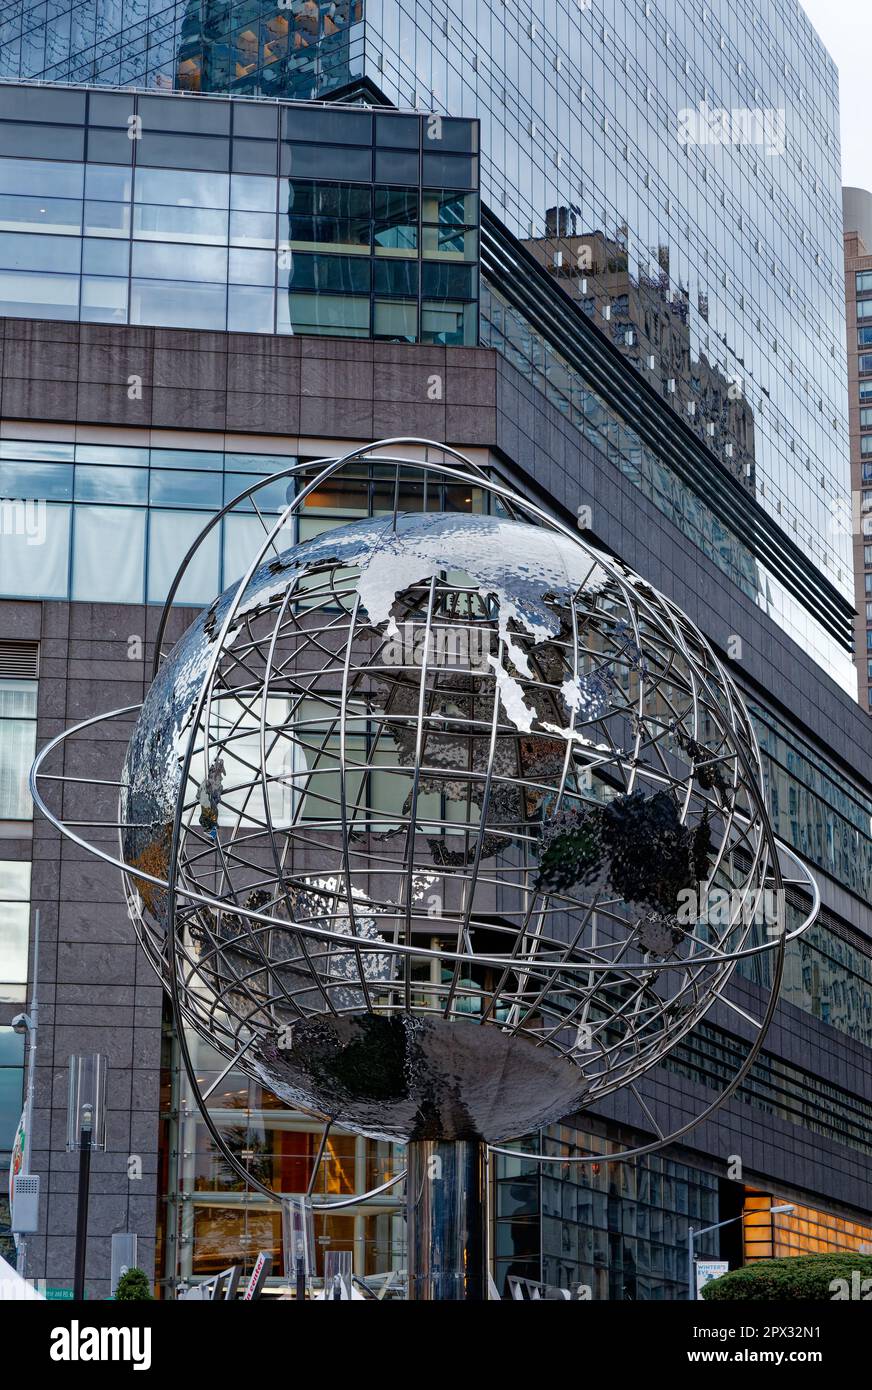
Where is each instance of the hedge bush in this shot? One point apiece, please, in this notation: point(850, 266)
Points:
point(805, 1277)
point(133, 1287)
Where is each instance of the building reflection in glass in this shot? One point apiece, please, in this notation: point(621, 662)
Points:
point(211, 1219)
point(301, 48)
point(648, 318)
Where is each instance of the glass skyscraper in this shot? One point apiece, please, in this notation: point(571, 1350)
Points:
point(674, 166)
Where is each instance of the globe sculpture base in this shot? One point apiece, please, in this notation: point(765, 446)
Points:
point(445, 1220)
point(414, 1076)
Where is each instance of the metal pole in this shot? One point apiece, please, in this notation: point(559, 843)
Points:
point(82, 1212)
point(691, 1291)
point(21, 1260)
point(445, 1218)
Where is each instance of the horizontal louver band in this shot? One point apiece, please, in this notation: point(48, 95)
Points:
point(19, 661)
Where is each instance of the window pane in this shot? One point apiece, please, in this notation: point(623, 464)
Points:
point(108, 554)
point(153, 222)
point(41, 176)
point(187, 458)
point(40, 214)
point(181, 188)
point(35, 480)
point(109, 183)
point(112, 453)
point(50, 253)
point(396, 219)
point(399, 278)
point(450, 207)
point(307, 198)
point(448, 281)
point(14, 919)
point(272, 497)
point(243, 537)
point(176, 304)
point(335, 274)
point(15, 877)
point(17, 749)
point(104, 301)
point(324, 162)
point(36, 295)
point(104, 257)
point(250, 309)
point(451, 170)
point(252, 267)
point(451, 243)
point(339, 315)
point(166, 261)
point(251, 194)
point(30, 569)
point(185, 489)
point(51, 452)
point(450, 324)
point(11, 1080)
point(99, 484)
point(17, 699)
point(170, 534)
point(107, 219)
point(395, 322)
point(260, 464)
point(340, 233)
point(396, 166)
point(253, 228)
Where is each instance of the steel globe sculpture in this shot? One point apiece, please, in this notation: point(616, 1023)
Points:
point(444, 825)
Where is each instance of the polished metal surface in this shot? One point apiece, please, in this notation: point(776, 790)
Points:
point(445, 1220)
point(406, 815)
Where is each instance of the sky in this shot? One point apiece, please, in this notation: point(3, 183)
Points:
point(845, 26)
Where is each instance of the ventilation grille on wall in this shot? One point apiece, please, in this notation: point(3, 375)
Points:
point(19, 661)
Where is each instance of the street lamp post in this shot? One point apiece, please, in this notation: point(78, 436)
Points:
point(82, 1207)
point(706, 1230)
point(86, 1130)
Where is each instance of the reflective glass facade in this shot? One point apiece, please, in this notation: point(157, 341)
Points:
point(597, 139)
point(676, 166)
point(673, 167)
point(254, 218)
point(300, 48)
point(132, 512)
point(816, 807)
point(620, 1229)
point(858, 304)
point(506, 329)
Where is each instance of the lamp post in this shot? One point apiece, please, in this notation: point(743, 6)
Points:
point(706, 1230)
point(86, 1130)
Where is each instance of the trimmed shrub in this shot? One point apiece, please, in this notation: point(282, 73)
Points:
point(802, 1277)
point(133, 1287)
